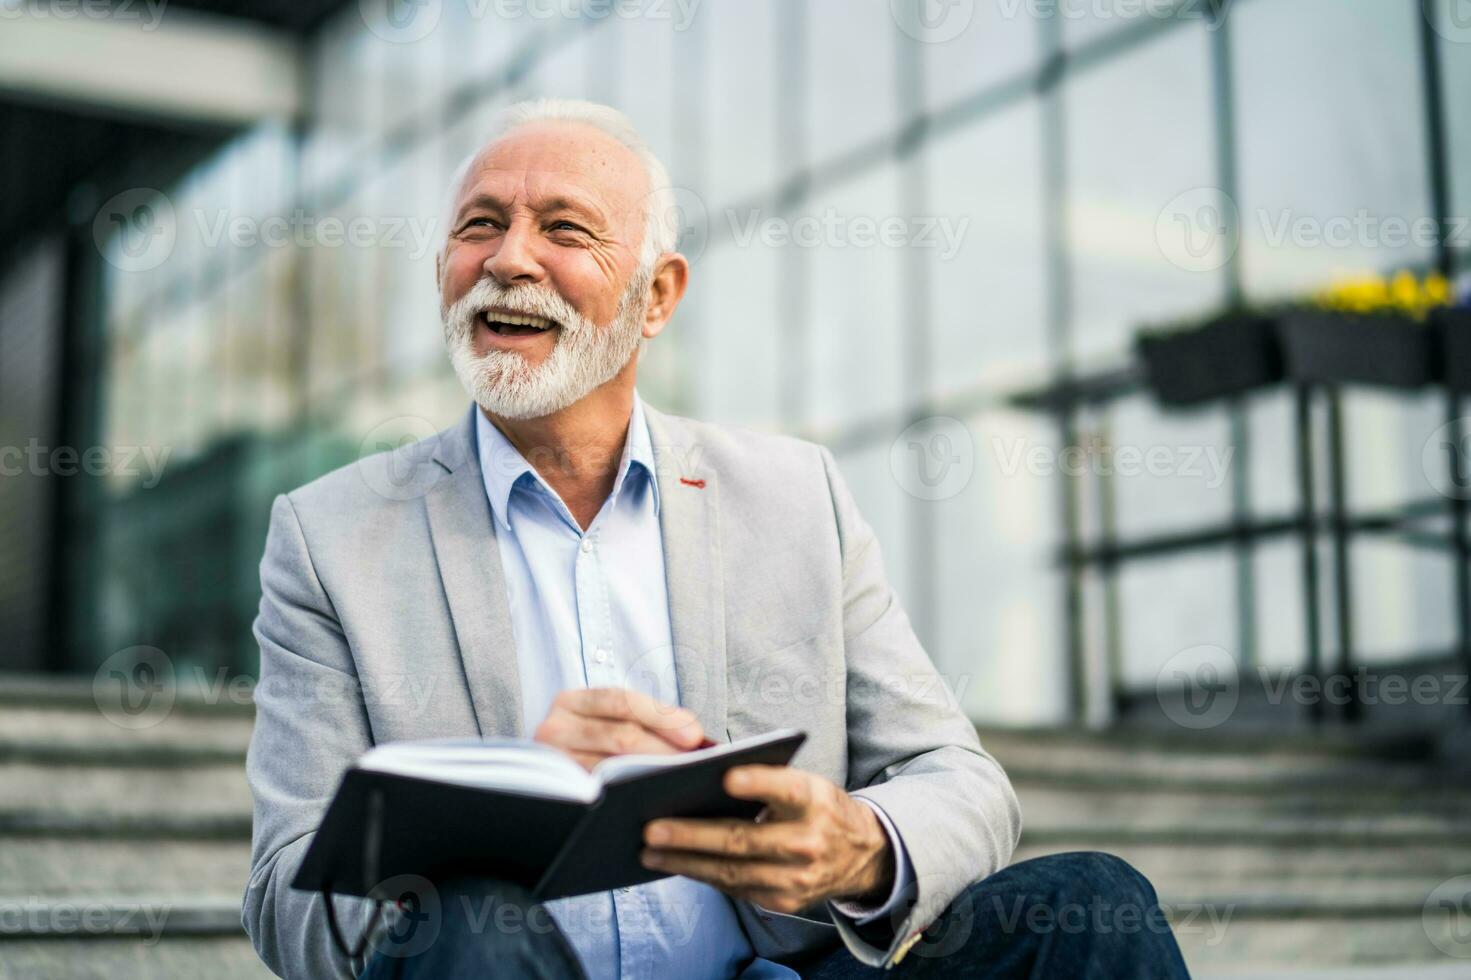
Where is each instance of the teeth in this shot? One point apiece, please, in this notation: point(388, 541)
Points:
point(518, 319)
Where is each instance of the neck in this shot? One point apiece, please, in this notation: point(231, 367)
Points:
point(577, 450)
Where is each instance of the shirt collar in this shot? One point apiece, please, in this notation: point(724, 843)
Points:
point(504, 467)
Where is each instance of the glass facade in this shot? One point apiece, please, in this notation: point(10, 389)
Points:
point(895, 211)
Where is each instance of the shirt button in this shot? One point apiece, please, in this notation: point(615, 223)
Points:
point(600, 655)
point(586, 545)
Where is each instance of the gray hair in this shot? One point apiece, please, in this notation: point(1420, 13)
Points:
point(661, 216)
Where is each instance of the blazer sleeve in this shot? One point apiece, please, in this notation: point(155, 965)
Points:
point(309, 719)
point(911, 749)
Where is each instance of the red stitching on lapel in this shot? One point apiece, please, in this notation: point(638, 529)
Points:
point(698, 484)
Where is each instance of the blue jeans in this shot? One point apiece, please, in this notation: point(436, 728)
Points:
point(1084, 915)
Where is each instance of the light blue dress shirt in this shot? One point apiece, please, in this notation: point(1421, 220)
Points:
point(591, 609)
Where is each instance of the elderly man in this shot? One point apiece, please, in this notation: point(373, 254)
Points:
point(569, 564)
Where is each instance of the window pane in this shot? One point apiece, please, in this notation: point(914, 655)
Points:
point(988, 269)
point(738, 345)
point(852, 91)
point(856, 315)
point(1328, 193)
point(998, 639)
point(738, 124)
point(1134, 145)
point(964, 54)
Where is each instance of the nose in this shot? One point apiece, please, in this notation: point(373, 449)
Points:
point(515, 261)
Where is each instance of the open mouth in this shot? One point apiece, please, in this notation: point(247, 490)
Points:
point(505, 324)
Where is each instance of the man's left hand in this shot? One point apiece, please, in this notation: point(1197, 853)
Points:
point(812, 842)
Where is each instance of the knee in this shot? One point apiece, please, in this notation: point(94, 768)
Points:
point(1102, 877)
point(1081, 876)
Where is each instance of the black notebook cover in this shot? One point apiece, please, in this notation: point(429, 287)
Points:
point(380, 825)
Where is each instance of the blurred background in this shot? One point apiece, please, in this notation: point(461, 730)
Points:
point(1223, 630)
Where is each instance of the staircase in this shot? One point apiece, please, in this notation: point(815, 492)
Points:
point(123, 853)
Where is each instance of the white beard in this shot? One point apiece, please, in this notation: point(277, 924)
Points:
point(585, 356)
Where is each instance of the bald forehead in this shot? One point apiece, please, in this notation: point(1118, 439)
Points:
point(555, 158)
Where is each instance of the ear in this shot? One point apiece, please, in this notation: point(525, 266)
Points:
point(439, 269)
point(671, 275)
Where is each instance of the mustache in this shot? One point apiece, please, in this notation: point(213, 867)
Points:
point(540, 301)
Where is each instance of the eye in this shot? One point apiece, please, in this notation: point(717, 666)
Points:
point(566, 226)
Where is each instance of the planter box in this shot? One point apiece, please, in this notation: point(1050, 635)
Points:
point(1227, 356)
point(1322, 346)
point(1454, 328)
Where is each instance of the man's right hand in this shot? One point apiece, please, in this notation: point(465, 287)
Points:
point(590, 724)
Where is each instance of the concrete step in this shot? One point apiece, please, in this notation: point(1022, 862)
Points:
point(122, 958)
point(81, 736)
point(1429, 813)
point(69, 867)
point(1399, 943)
point(127, 792)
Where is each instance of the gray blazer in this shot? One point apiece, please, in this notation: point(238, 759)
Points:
point(384, 617)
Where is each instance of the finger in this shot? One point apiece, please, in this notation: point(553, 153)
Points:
point(587, 760)
point(727, 874)
point(727, 837)
point(677, 726)
point(787, 791)
point(600, 736)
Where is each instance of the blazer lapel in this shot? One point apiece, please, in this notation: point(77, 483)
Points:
point(466, 551)
point(689, 520)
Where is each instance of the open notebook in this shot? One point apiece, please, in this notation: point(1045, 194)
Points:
point(518, 810)
point(517, 766)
